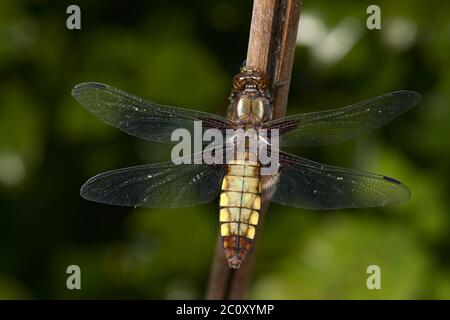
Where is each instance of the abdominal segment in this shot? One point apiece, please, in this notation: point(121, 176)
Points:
point(240, 204)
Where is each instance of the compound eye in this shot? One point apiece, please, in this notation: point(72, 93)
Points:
point(238, 85)
point(243, 108)
point(258, 109)
point(262, 85)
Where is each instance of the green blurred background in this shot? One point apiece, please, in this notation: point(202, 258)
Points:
point(184, 53)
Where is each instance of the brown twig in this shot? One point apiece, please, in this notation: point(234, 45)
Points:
point(271, 47)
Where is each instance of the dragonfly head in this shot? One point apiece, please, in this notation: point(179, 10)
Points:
point(250, 79)
point(250, 98)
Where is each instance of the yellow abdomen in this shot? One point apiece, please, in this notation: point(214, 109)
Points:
point(240, 204)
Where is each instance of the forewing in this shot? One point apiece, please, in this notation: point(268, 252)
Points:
point(334, 126)
point(160, 185)
point(307, 184)
point(141, 118)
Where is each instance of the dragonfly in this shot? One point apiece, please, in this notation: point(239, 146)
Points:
point(239, 185)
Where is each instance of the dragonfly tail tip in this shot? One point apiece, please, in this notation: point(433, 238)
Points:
point(234, 262)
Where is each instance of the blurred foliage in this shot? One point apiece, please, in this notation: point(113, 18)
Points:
point(184, 53)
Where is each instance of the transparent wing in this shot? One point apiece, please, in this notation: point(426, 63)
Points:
point(159, 185)
point(307, 184)
point(138, 117)
point(334, 126)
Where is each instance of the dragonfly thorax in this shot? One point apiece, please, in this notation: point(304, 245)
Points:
point(250, 98)
point(251, 110)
